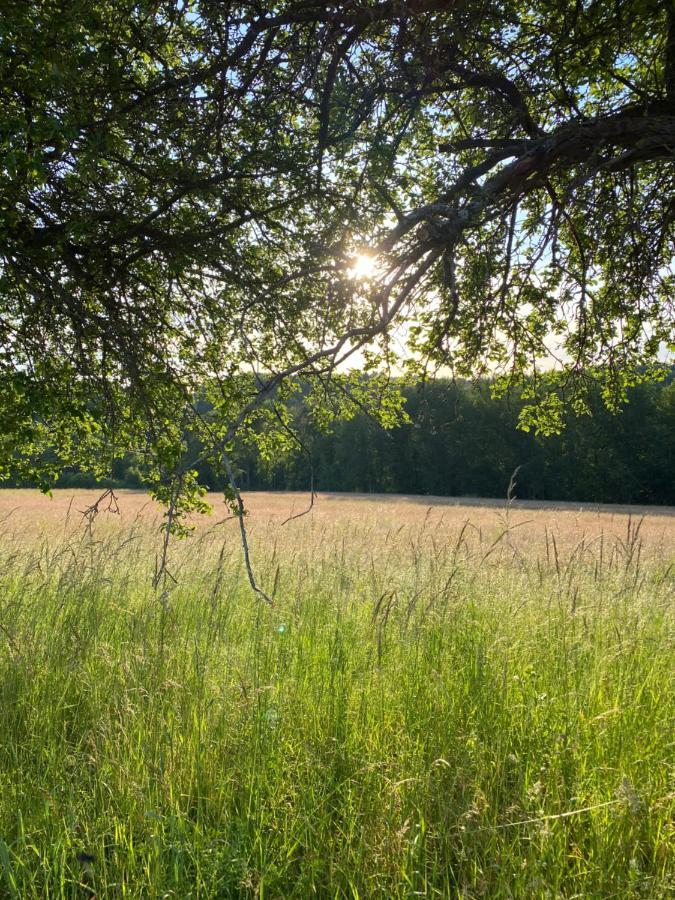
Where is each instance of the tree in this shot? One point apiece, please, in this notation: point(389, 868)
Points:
point(185, 186)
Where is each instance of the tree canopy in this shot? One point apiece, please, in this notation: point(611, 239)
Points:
point(211, 200)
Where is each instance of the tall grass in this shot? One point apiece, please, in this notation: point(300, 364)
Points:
point(420, 714)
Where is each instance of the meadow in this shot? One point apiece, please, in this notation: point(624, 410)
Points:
point(451, 700)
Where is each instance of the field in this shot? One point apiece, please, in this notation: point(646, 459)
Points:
point(444, 700)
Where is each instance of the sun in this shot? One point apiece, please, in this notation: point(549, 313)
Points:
point(363, 266)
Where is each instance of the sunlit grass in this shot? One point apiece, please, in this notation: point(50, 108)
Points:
point(423, 712)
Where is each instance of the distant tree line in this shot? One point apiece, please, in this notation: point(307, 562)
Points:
point(462, 441)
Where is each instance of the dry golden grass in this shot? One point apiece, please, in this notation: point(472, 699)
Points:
point(29, 514)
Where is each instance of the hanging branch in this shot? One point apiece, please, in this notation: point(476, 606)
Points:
point(161, 569)
point(241, 512)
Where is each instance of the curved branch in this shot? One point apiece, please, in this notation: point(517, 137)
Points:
point(641, 138)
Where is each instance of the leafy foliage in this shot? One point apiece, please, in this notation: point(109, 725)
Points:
point(184, 185)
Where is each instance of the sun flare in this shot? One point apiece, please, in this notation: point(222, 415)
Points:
point(363, 266)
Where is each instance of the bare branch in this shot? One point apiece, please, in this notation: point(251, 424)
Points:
point(242, 530)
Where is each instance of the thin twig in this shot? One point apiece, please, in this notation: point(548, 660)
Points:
point(161, 570)
point(242, 530)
